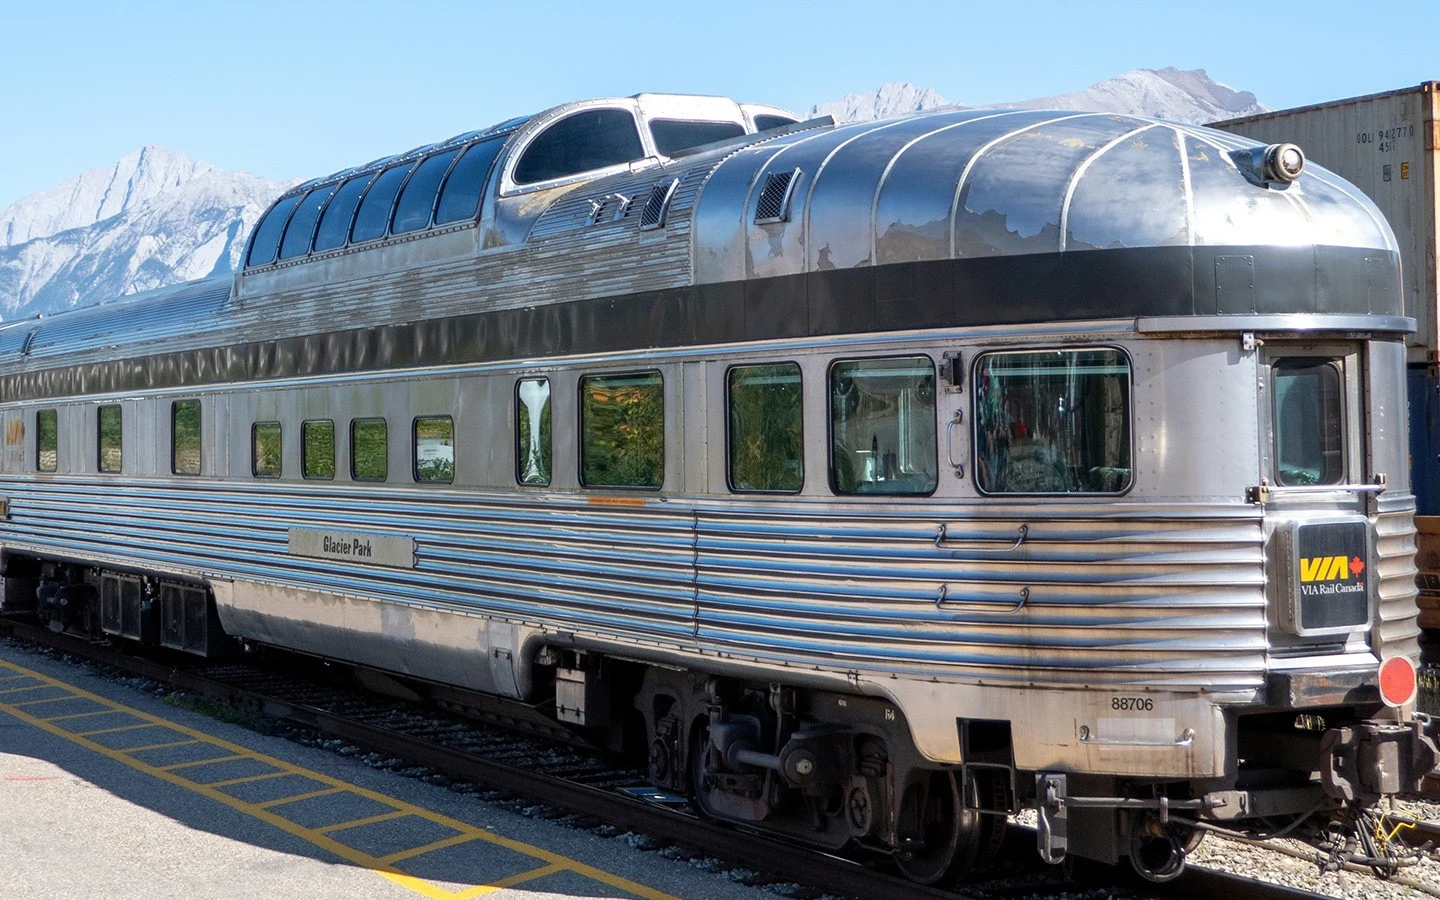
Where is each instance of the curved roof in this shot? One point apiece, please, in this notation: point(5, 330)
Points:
point(985, 183)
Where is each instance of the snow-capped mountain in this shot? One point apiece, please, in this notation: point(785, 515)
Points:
point(1180, 96)
point(157, 217)
point(894, 99)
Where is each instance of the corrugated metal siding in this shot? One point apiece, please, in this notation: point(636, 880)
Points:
point(1397, 630)
point(1162, 595)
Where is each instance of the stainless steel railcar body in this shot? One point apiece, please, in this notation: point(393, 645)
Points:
point(1112, 571)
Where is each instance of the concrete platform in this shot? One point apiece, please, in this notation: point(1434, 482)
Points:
point(106, 791)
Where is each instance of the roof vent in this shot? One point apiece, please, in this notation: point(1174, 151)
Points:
point(774, 205)
point(609, 208)
point(658, 205)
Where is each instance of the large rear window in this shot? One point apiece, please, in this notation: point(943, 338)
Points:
point(1052, 422)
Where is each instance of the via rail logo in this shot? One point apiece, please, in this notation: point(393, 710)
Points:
point(1331, 575)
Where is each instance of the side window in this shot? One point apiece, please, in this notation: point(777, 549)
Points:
point(460, 198)
point(265, 449)
point(622, 430)
point(373, 217)
point(433, 440)
point(334, 228)
point(1309, 422)
point(594, 139)
point(417, 200)
point(532, 431)
point(301, 231)
point(47, 440)
point(1052, 422)
point(882, 426)
point(765, 438)
point(266, 241)
point(185, 437)
point(317, 448)
point(369, 450)
point(110, 427)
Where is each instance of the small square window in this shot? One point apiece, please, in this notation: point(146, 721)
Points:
point(317, 448)
point(532, 431)
point(369, 450)
point(433, 440)
point(47, 440)
point(110, 421)
point(266, 449)
point(185, 437)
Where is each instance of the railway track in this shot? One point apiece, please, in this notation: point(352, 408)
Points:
point(543, 770)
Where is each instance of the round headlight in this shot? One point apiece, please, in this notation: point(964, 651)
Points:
point(1283, 162)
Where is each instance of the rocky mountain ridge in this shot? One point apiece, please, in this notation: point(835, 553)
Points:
point(158, 217)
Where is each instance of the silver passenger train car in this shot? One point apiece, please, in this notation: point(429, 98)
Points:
point(871, 481)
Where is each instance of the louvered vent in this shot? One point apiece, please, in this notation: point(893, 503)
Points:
point(609, 208)
point(774, 205)
point(658, 205)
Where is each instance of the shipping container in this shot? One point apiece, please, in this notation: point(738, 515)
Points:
point(1386, 145)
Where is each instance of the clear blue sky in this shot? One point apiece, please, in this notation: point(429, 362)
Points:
point(289, 90)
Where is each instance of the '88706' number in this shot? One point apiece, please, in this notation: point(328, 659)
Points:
point(1133, 704)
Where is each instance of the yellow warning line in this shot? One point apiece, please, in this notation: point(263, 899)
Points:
point(98, 731)
point(368, 820)
point(296, 798)
point(247, 779)
point(97, 712)
point(453, 841)
point(553, 862)
point(503, 883)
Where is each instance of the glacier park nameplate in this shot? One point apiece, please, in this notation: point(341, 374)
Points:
point(353, 546)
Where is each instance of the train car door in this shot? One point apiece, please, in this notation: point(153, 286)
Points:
point(1317, 492)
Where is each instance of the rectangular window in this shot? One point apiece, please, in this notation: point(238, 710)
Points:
point(1309, 422)
point(622, 430)
point(265, 449)
point(110, 422)
point(433, 438)
point(185, 437)
point(1052, 422)
point(532, 431)
point(882, 426)
point(369, 450)
point(765, 439)
point(317, 448)
point(47, 440)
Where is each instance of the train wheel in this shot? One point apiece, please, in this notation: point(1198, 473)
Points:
point(950, 833)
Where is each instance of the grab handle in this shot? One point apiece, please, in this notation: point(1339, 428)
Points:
point(942, 534)
point(942, 600)
point(959, 468)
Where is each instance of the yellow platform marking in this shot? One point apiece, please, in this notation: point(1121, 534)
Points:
point(368, 820)
point(246, 779)
point(323, 792)
point(145, 747)
point(385, 866)
point(97, 731)
point(97, 712)
point(502, 883)
point(202, 762)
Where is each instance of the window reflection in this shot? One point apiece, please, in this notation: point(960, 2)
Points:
point(434, 439)
point(882, 426)
point(1309, 424)
point(765, 436)
point(532, 431)
point(1052, 422)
